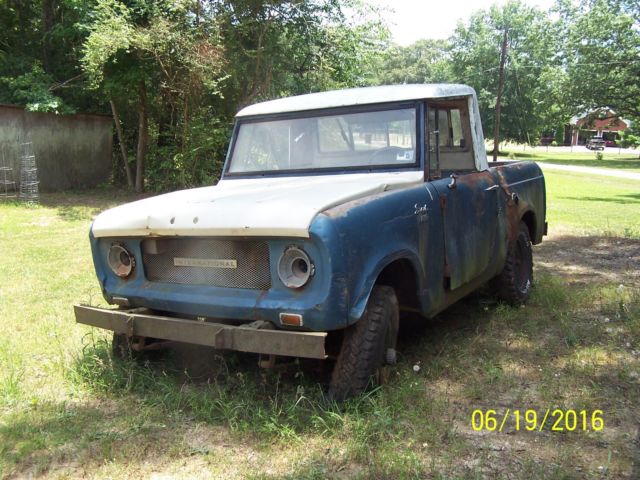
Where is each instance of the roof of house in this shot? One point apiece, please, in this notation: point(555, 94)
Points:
point(357, 96)
point(600, 119)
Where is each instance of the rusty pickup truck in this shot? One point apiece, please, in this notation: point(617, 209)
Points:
point(335, 212)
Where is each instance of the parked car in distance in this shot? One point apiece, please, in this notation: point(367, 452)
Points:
point(595, 143)
point(335, 213)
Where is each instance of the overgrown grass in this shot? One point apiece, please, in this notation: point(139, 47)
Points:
point(67, 408)
point(610, 158)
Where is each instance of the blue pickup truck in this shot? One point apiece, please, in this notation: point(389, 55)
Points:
point(336, 211)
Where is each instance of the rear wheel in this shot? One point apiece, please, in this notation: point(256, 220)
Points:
point(366, 345)
point(516, 279)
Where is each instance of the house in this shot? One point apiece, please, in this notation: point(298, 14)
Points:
point(598, 123)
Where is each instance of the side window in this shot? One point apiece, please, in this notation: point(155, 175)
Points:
point(457, 137)
point(450, 123)
point(450, 131)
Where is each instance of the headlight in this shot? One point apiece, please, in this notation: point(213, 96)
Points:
point(120, 260)
point(295, 267)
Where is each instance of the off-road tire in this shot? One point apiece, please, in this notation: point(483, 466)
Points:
point(364, 345)
point(514, 283)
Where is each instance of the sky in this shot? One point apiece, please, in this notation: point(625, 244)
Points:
point(411, 20)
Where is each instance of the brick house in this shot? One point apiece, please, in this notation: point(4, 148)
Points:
point(601, 123)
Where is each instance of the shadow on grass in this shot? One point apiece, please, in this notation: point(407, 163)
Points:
point(85, 204)
point(616, 164)
point(581, 159)
point(593, 259)
point(627, 199)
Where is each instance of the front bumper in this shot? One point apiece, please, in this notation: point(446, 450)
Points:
point(255, 337)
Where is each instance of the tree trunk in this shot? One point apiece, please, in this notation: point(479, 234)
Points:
point(143, 135)
point(496, 121)
point(48, 22)
point(123, 147)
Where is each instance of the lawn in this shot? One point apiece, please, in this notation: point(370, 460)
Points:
point(68, 410)
point(597, 205)
point(625, 161)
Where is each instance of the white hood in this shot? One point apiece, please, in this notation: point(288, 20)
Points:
point(278, 206)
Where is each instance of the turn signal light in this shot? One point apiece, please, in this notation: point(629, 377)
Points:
point(291, 319)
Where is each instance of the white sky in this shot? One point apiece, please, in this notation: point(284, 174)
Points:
point(411, 20)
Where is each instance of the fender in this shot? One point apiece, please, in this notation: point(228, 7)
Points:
point(361, 293)
point(377, 230)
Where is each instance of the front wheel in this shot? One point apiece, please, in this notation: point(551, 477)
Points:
point(366, 345)
point(516, 279)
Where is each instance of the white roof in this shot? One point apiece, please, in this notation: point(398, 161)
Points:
point(358, 96)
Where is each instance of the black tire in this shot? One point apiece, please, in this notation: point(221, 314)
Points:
point(365, 344)
point(514, 283)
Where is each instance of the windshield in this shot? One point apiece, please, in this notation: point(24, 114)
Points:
point(384, 138)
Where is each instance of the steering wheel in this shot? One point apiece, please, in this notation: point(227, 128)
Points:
point(385, 150)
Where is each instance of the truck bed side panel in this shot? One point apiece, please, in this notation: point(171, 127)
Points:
point(523, 187)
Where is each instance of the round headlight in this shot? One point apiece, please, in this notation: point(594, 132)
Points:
point(120, 260)
point(295, 267)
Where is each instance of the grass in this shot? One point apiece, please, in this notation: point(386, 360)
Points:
point(626, 162)
point(597, 205)
point(67, 409)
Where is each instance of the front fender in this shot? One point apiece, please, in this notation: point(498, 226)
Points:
point(376, 231)
point(362, 290)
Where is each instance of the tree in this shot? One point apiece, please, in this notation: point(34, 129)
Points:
point(151, 50)
point(284, 48)
point(39, 53)
point(173, 74)
point(532, 102)
point(602, 56)
point(425, 61)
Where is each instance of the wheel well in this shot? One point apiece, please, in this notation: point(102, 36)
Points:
point(529, 219)
point(401, 276)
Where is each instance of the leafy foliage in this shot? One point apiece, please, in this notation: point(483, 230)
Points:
point(602, 55)
point(425, 61)
point(177, 71)
point(532, 100)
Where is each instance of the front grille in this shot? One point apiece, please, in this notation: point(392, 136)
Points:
point(221, 263)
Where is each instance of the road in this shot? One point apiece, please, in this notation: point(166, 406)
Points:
point(607, 172)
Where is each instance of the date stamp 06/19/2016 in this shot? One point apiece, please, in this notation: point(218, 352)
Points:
point(555, 420)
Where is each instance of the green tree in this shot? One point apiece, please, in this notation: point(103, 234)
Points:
point(532, 100)
point(425, 61)
point(602, 55)
point(40, 44)
point(291, 47)
point(151, 55)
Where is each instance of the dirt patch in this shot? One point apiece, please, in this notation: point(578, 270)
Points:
point(590, 259)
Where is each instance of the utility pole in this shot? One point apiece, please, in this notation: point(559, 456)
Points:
point(496, 122)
